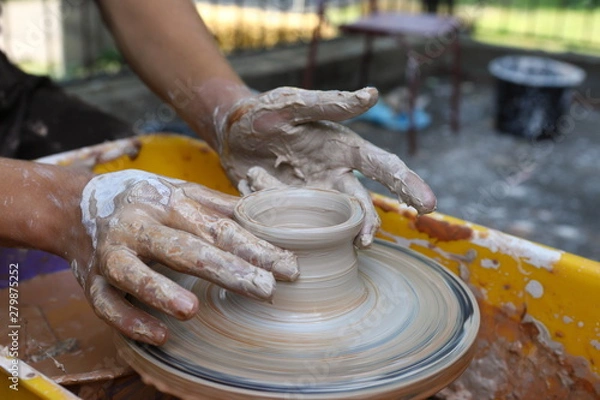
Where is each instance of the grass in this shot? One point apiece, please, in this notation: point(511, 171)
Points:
point(578, 28)
point(546, 27)
point(249, 28)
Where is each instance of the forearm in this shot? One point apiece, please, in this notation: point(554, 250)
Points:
point(39, 207)
point(169, 47)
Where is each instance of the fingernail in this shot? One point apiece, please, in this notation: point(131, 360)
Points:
point(152, 332)
point(263, 284)
point(363, 96)
point(286, 268)
point(367, 95)
point(425, 203)
point(160, 336)
point(363, 241)
point(421, 195)
point(186, 306)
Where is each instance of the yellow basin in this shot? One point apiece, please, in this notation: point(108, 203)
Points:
point(540, 335)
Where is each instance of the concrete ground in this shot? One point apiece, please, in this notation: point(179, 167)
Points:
point(543, 191)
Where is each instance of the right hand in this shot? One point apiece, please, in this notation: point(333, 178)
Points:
point(288, 136)
point(133, 217)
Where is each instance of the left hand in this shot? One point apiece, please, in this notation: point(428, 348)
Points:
point(135, 217)
point(287, 137)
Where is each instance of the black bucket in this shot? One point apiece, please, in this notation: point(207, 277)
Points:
point(532, 93)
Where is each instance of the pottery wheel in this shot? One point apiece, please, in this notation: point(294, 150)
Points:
point(407, 330)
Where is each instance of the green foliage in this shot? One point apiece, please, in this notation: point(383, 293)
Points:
point(552, 25)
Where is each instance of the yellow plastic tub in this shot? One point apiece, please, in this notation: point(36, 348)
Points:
point(540, 335)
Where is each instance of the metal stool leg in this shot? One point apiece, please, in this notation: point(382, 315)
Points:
point(413, 79)
point(363, 79)
point(455, 100)
point(311, 62)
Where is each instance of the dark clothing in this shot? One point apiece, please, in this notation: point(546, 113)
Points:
point(38, 118)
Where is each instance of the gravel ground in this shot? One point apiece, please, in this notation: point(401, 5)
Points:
point(545, 191)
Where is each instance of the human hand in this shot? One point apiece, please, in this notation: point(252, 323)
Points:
point(287, 137)
point(134, 217)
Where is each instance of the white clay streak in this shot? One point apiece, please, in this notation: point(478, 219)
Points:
point(100, 195)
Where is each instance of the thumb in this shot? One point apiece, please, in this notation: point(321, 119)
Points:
point(300, 106)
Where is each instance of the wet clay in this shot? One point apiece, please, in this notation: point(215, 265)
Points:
point(382, 322)
point(515, 359)
point(100, 197)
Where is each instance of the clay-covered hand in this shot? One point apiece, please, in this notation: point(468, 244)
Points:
point(134, 217)
point(289, 136)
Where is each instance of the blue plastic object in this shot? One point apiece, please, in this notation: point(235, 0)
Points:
point(382, 115)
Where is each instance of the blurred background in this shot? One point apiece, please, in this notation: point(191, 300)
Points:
point(66, 38)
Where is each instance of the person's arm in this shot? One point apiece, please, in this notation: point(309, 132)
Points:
point(39, 207)
point(169, 47)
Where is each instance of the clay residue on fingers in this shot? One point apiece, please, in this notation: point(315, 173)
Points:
point(388, 169)
point(114, 309)
point(260, 179)
point(299, 106)
point(422, 198)
point(231, 237)
point(189, 254)
point(228, 271)
point(124, 270)
point(261, 285)
point(100, 197)
point(349, 184)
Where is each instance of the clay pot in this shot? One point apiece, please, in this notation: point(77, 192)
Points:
point(319, 227)
point(379, 323)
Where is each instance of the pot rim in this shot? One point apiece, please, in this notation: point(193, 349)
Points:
point(295, 197)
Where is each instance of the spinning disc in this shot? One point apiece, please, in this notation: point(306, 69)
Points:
point(395, 325)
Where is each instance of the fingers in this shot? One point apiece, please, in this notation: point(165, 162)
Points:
point(230, 237)
point(300, 106)
point(109, 304)
point(186, 253)
point(389, 170)
point(257, 178)
point(125, 271)
point(260, 179)
point(244, 187)
point(350, 185)
point(218, 201)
